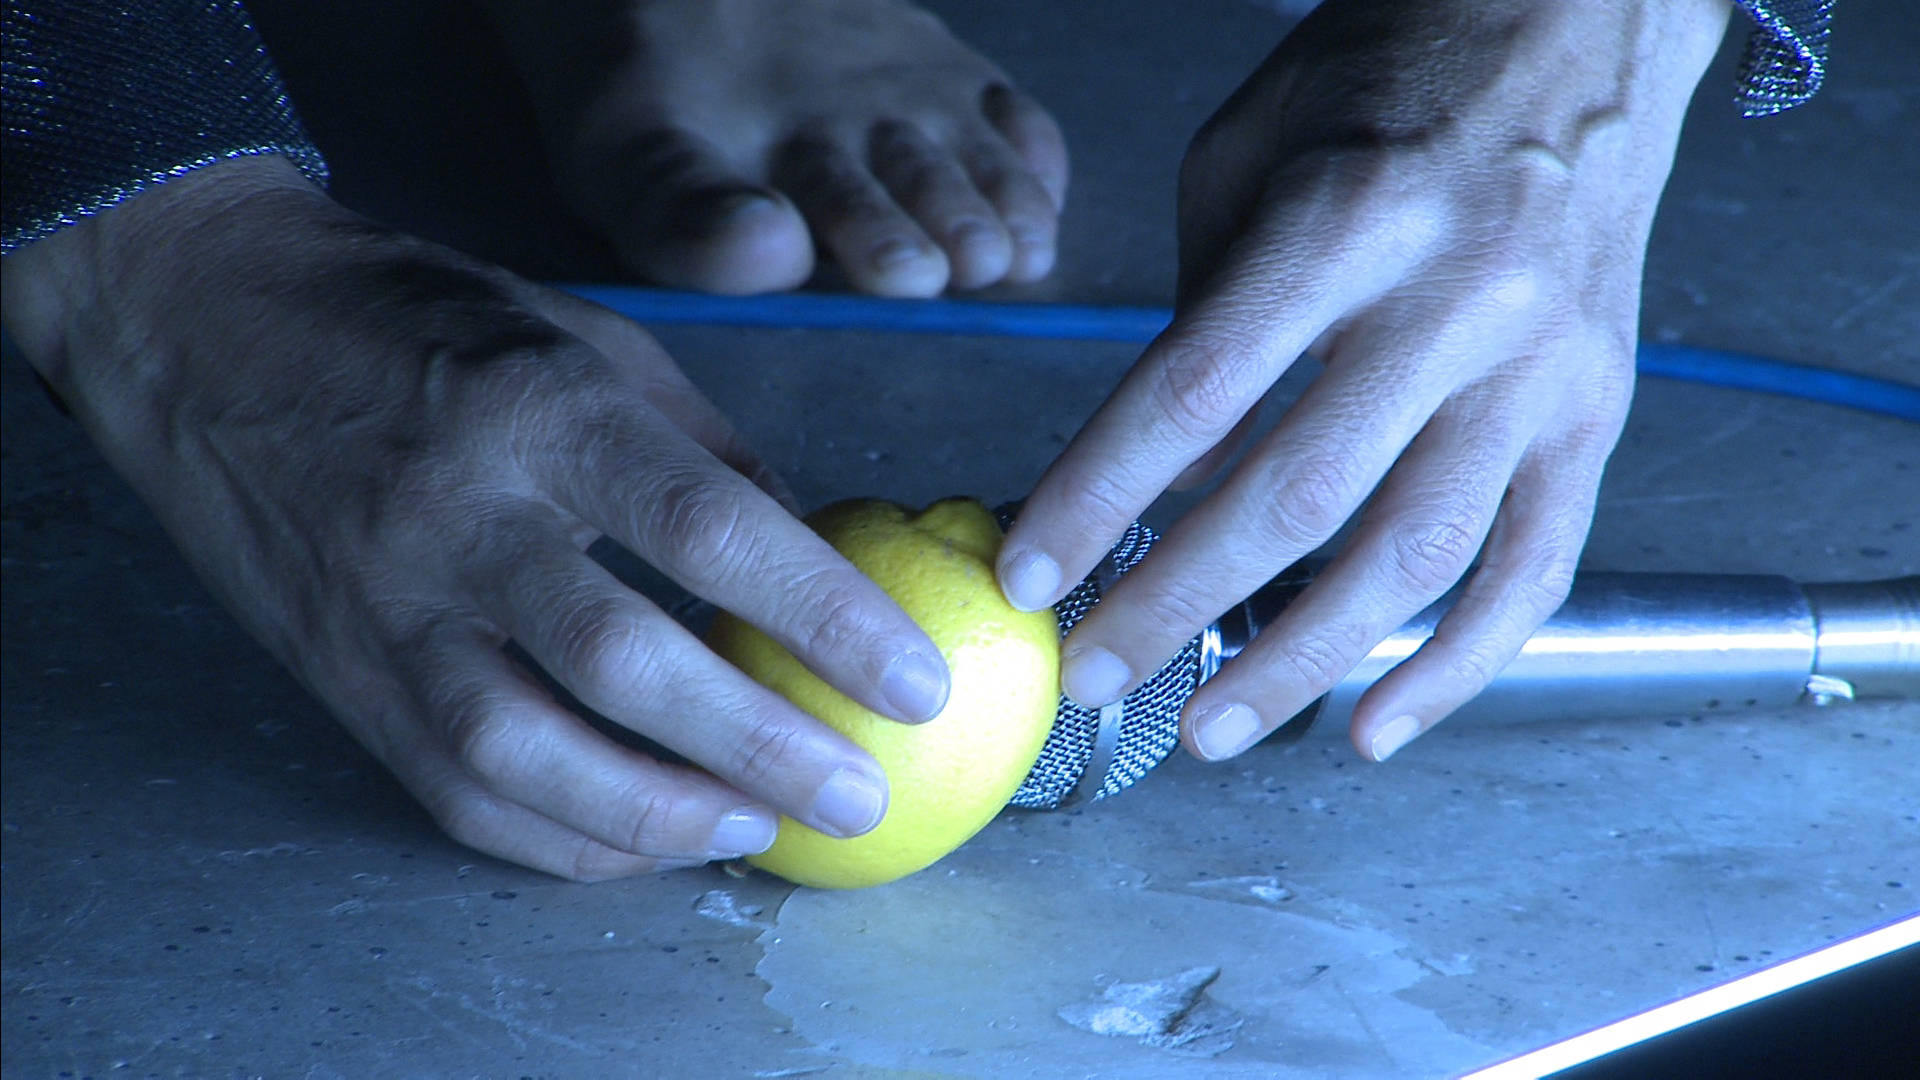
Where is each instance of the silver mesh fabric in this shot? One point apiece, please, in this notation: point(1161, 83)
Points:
point(1149, 723)
point(1786, 57)
point(99, 101)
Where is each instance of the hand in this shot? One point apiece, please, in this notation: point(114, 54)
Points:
point(708, 138)
point(387, 459)
point(1449, 204)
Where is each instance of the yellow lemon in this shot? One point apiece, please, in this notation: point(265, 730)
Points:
point(949, 776)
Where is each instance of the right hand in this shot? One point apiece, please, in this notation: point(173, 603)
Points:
point(388, 459)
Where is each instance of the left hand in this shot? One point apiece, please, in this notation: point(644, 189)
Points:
point(1449, 204)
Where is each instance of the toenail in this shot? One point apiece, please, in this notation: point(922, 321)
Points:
point(1030, 238)
point(893, 252)
point(726, 205)
point(969, 234)
point(742, 202)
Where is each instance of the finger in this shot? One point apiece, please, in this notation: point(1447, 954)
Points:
point(523, 747)
point(682, 216)
point(879, 246)
point(1284, 500)
point(720, 538)
point(475, 817)
point(626, 660)
point(1211, 462)
point(1524, 577)
point(637, 355)
point(1415, 540)
point(928, 183)
point(417, 753)
point(1021, 199)
point(1033, 134)
point(1282, 286)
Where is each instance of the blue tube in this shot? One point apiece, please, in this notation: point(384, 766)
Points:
point(1075, 322)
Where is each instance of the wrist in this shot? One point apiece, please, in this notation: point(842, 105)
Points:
point(85, 305)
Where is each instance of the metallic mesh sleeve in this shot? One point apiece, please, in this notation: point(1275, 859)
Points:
point(1786, 57)
point(100, 101)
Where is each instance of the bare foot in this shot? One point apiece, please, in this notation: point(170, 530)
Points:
point(719, 142)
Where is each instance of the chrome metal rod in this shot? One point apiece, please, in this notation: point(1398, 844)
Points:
point(1662, 644)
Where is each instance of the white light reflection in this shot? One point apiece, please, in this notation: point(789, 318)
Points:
point(1707, 1003)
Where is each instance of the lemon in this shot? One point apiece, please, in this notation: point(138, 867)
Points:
point(949, 776)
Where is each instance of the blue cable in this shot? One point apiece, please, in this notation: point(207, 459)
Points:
point(1077, 322)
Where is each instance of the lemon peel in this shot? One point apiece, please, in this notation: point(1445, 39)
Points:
point(949, 776)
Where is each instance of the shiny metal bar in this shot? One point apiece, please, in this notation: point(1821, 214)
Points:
point(1661, 644)
point(1869, 636)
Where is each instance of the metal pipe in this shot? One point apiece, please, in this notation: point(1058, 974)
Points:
point(1657, 644)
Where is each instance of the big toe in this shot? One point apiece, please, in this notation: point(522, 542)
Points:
point(727, 238)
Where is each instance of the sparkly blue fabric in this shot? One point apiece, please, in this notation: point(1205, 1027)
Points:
point(99, 101)
point(1786, 57)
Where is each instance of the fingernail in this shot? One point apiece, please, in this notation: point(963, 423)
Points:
point(893, 252)
point(743, 832)
point(850, 803)
point(1221, 731)
point(1093, 676)
point(915, 686)
point(1398, 733)
point(1029, 579)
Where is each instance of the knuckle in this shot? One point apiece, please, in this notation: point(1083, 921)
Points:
point(1473, 666)
point(762, 751)
point(1541, 587)
point(1373, 185)
point(835, 619)
point(1593, 436)
point(488, 742)
point(1197, 386)
point(469, 817)
point(1431, 556)
point(700, 523)
point(1510, 290)
point(1100, 504)
point(1318, 662)
point(649, 824)
point(1309, 501)
point(604, 652)
point(591, 861)
point(1173, 616)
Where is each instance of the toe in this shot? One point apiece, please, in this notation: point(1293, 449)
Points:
point(681, 217)
point(1034, 136)
point(1026, 210)
point(853, 216)
point(928, 183)
point(732, 239)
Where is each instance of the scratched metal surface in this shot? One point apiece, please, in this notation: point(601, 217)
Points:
point(202, 876)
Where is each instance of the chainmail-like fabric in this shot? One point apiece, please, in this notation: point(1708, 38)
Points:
point(99, 101)
point(1786, 57)
point(1150, 723)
